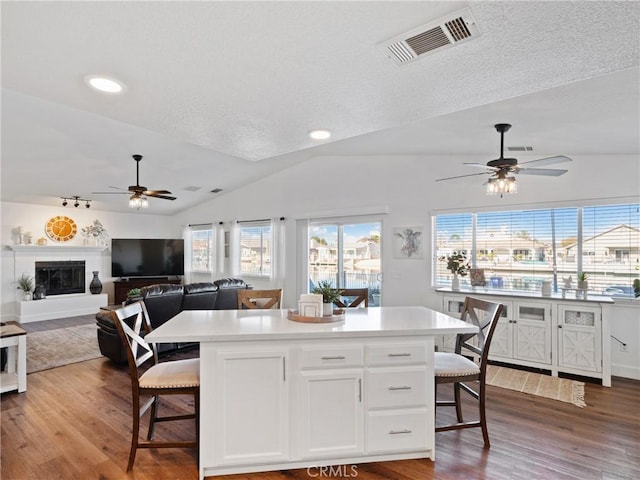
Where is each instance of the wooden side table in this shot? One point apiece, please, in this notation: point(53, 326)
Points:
point(14, 337)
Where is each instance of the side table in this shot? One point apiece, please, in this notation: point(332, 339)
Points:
point(14, 337)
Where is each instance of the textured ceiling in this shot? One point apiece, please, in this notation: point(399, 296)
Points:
point(220, 94)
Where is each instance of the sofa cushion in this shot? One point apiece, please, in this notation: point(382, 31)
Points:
point(200, 296)
point(228, 293)
point(163, 301)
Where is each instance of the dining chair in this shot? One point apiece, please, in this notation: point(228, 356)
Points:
point(177, 377)
point(353, 297)
point(469, 363)
point(259, 299)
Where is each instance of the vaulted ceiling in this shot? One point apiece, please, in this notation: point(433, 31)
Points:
point(220, 94)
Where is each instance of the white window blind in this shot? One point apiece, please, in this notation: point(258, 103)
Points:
point(452, 233)
point(611, 248)
point(256, 246)
point(518, 249)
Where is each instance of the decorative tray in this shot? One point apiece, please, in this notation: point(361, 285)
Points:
point(338, 315)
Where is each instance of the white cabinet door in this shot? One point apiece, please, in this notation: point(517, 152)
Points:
point(533, 332)
point(502, 341)
point(579, 337)
point(331, 413)
point(251, 407)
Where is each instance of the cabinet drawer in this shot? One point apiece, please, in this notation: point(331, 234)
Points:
point(392, 431)
point(394, 388)
point(396, 354)
point(329, 357)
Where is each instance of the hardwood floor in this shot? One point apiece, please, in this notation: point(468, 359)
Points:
point(74, 422)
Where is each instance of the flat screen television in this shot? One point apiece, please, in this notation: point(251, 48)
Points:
point(147, 257)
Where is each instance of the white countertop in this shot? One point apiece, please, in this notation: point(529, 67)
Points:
point(248, 325)
point(570, 295)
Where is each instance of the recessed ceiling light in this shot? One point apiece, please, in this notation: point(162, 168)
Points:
point(320, 134)
point(105, 84)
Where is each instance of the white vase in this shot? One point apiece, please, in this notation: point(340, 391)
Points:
point(327, 309)
point(455, 282)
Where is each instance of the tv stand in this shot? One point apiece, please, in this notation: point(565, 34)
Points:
point(122, 286)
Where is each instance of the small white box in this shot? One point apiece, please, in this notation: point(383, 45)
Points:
point(310, 305)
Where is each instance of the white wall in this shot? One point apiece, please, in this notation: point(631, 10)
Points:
point(404, 186)
point(33, 218)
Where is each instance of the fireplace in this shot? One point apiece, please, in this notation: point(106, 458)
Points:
point(59, 278)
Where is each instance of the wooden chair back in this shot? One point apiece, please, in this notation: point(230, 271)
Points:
point(264, 299)
point(353, 297)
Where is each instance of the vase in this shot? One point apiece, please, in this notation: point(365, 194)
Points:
point(455, 282)
point(95, 286)
point(327, 309)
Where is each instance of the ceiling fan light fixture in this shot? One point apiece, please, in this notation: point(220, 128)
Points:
point(501, 185)
point(138, 201)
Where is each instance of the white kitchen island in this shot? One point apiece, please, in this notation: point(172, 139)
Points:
point(277, 394)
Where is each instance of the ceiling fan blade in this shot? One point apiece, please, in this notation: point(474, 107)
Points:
point(548, 161)
point(461, 176)
point(551, 172)
point(157, 195)
point(480, 165)
point(111, 193)
point(156, 192)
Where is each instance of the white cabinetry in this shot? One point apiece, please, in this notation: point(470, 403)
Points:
point(251, 414)
point(532, 332)
point(330, 421)
point(579, 334)
point(555, 334)
point(397, 402)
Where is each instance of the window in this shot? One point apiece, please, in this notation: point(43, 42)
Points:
point(521, 248)
point(202, 248)
point(256, 248)
point(347, 254)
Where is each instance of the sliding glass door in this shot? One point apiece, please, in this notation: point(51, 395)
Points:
point(347, 254)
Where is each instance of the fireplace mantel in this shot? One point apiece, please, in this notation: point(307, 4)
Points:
point(96, 258)
point(56, 248)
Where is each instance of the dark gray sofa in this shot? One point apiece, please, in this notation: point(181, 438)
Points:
point(163, 302)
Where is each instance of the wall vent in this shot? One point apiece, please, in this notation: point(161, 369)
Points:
point(433, 37)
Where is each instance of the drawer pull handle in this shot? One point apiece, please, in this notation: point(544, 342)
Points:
point(404, 387)
point(398, 432)
point(336, 357)
point(399, 355)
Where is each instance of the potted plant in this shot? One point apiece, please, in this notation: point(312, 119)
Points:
point(133, 295)
point(636, 287)
point(457, 264)
point(26, 284)
point(329, 295)
point(582, 281)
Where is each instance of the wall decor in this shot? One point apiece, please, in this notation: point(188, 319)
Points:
point(476, 276)
point(61, 228)
point(407, 242)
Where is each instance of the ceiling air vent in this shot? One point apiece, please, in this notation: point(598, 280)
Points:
point(433, 37)
point(520, 149)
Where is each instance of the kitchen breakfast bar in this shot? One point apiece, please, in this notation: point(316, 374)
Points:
point(277, 394)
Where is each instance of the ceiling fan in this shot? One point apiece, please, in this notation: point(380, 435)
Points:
point(138, 192)
point(499, 169)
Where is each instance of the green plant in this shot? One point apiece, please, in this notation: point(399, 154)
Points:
point(636, 287)
point(329, 294)
point(457, 263)
point(25, 283)
point(134, 292)
point(582, 277)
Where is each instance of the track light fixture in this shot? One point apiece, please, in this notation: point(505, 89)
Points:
point(77, 200)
